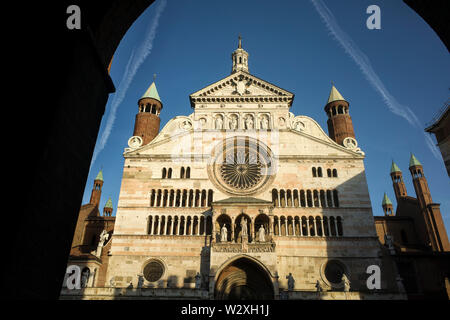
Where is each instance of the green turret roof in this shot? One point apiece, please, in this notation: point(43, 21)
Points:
point(108, 203)
point(413, 161)
point(99, 176)
point(395, 168)
point(152, 93)
point(334, 95)
point(386, 200)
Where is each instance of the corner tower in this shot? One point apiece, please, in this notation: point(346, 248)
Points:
point(96, 192)
point(387, 206)
point(397, 181)
point(437, 234)
point(339, 122)
point(108, 208)
point(146, 125)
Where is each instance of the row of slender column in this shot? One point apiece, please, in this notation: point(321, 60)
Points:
point(196, 225)
point(305, 198)
point(308, 226)
point(180, 198)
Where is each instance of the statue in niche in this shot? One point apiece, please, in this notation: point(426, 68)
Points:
point(262, 234)
point(346, 283)
point(243, 227)
point(219, 123)
point(249, 122)
point(198, 281)
point(234, 122)
point(223, 234)
point(85, 277)
point(291, 282)
point(140, 280)
point(318, 286)
point(264, 122)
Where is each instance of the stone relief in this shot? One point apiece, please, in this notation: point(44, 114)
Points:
point(135, 142)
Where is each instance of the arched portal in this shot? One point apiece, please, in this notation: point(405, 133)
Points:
point(243, 279)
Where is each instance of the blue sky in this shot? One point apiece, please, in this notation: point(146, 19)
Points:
point(395, 78)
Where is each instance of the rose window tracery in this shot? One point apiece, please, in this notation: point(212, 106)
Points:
point(241, 169)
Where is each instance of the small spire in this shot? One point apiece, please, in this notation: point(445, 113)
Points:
point(240, 41)
point(386, 200)
point(152, 92)
point(334, 94)
point(394, 167)
point(413, 161)
point(99, 175)
point(109, 203)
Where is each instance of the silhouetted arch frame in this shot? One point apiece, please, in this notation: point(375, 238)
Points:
point(263, 269)
point(148, 261)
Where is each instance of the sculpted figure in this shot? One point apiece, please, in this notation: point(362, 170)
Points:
point(198, 281)
point(291, 282)
point(243, 227)
point(249, 123)
point(234, 122)
point(264, 123)
point(262, 234)
point(318, 286)
point(223, 234)
point(219, 122)
point(346, 283)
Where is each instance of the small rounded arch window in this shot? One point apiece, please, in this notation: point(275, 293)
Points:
point(153, 271)
point(334, 270)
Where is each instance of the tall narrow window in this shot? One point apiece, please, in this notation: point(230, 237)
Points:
point(336, 198)
point(188, 173)
point(334, 173)
point(169, 173)
point(319, 172)
point(164, 173)
point(314, 172)
point(182, 173)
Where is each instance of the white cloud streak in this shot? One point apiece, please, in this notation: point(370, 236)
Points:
point(363, 63)
point(134, 62)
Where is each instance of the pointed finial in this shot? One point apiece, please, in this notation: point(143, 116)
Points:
point(332, 83)
point(154, 77)
point(240, 41)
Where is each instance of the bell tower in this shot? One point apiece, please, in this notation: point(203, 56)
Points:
point(146, 125)
point(437, 234)
point(339, 122)
point(108, 208)
point(387, 206)
point(239, 58)
point(397, 181)
point(96, 192)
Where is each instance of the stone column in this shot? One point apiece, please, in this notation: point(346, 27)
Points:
point(286, 222)
point(307, 226)
point(178, 225)
point(159, 225)
point(150, 229)
point(323, 230)
point(232, 229)
point(293, 226)
point(315, 227)
point(328, 224)
point(252, 229)
point(301, 226)
point(166, 220)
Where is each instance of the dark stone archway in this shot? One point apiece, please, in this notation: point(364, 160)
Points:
point(59, 89)
point(243, 279)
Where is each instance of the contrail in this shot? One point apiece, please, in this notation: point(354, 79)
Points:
point(133, 64)
point(364, 65)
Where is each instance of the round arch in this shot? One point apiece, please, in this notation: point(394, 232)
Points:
point(243, 278)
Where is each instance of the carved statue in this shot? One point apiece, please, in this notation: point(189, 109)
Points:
point(291, 282)
point(234, 123)
point(262, 234)
point(198, 281)
point(346, 283)
point(223, 234)
point(249, 123)
point(140, 281)
point(104, 236)
point(264, 123)
point(219, 122)
point(243, 226)
point(318, 286)
point(85, 278)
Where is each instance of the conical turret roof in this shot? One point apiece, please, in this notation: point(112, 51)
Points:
point(99, 176)
point(334, 95)
point(109, 203)
point(386, 200)
point(394, 167)
point(413, 161)
point(152, 93)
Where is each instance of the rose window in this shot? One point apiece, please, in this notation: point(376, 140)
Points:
point(241, 166)
point(241, 169)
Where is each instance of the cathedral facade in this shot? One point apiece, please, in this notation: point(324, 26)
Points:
point(242, 199)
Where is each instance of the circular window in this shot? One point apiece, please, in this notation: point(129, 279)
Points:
point(153, 271)
point(241, 165)
point(334, 270)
